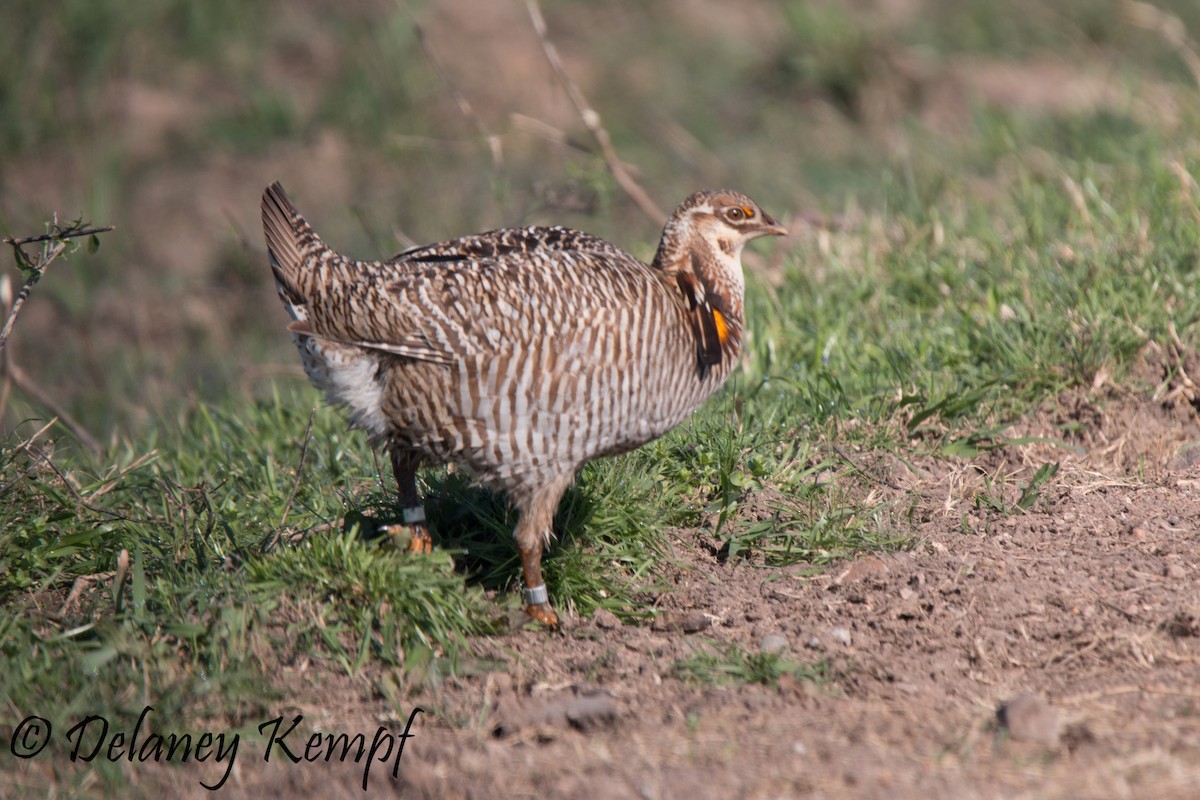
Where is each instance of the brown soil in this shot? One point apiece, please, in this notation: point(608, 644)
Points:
point(1083, 612)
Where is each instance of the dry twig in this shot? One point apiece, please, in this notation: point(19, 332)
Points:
point(287, 505)
point(592, 120)
point(464, 105)
point(24, 446)
point(53, 246)
point(37, 394)
point(81, 502)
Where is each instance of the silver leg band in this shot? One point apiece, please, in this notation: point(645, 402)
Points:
point(414, 515)
point(536, 595)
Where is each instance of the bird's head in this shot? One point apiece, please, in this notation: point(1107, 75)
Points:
point(701, 249)
point(707, 233)
point(726, 219)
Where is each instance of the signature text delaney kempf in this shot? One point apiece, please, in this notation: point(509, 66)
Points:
point(94, 738)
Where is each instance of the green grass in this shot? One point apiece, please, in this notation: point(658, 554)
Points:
point(714, 664)
point(972, 279)
point(920, 345)
point(224, 89)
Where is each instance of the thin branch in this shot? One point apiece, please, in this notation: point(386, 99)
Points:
point(464, 105)
point(854, 465)
point(24, 446)
point(5, 306)
point(56, 235)
point(34, 276)
point(104, 512)
point(36, 268)
point(287, 506)
point(27, 385)
point(591, 119)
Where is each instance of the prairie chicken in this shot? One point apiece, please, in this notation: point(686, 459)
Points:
point(520, 354)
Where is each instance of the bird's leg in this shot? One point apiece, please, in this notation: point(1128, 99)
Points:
point(533, 533)
point(404, 465)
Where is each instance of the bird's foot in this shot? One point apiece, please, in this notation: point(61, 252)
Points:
point(537, 606)
point(414, 537)
point(543, 613)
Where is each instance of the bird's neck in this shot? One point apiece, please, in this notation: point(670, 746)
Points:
point(709, 279)
point(715, 266)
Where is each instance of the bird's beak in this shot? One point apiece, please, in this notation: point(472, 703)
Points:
point(771, 226)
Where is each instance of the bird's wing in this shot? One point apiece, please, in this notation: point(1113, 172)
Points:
point(504, 242)
point(414, 348)
point(477, 297)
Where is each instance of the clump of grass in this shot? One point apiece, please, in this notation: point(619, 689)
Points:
point(720, 665)
point(371, 601)
point(206, 589)
point(98, 610)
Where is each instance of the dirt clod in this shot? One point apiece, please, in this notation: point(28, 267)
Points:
point(1029, 718)
point(581, 708)
point(860, 569)
point(606, 620)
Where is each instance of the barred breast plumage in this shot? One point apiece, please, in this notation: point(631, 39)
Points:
point(522, 353)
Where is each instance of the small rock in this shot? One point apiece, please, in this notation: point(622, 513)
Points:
point(591, 711)
point(1174, 571)
point(1139, 533)
point(580, 708)
point(860, 569)
point(814, 643)
point(1029, 718)
point(841, 634)
point(774, 643)
point(688, 623)
point(606, 619)
point(1184, 623)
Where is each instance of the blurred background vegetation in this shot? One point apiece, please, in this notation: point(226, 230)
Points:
point(995, 226)
point(167, 118)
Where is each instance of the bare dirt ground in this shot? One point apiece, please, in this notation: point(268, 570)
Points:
point(1080, 618)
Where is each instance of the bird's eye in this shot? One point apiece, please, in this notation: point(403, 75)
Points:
point(735, 214)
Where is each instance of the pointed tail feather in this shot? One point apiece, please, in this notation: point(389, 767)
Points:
point(289, 237)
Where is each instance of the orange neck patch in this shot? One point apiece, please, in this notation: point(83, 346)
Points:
point(722, 326)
